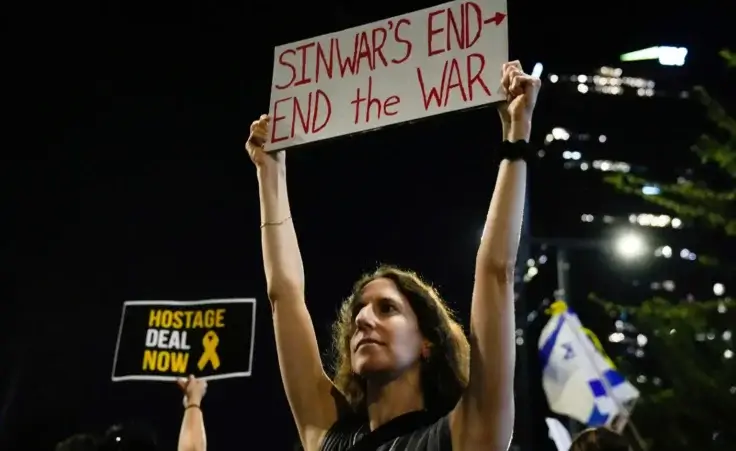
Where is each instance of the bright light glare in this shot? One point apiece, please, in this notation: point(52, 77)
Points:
point(641, 340)
point(672, 56)
point(667, 56)
point(650, 190)
point(630, 245)
point(537, 71)
point(719, 289)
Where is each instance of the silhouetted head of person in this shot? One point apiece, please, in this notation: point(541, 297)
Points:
point(392, 324)
point(129, 437)
point(79, 442)
point(599, 439)
point(121, 437)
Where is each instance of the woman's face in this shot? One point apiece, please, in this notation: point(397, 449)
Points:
point(386, 338)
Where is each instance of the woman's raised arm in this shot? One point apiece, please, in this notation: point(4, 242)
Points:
point(484, 417)
point(192, 434)
point(309, 390)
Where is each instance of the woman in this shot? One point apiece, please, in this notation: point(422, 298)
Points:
point(406, 376)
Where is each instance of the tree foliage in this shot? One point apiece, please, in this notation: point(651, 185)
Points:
point(689, 399)
point(689, 392)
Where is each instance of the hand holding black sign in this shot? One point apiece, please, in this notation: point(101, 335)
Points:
point(194, 390)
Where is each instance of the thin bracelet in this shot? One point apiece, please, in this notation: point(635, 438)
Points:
point(277, 223)
point(192, 406)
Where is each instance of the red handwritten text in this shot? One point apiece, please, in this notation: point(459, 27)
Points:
point(388, 107)
point(443, 25)
point(310, 61)
point(352, 59)
point(307, 116)
point(456, 75)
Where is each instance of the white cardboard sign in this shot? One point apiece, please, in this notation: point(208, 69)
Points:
point(440, 59)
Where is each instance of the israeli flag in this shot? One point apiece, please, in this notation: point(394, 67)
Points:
point(578, 379)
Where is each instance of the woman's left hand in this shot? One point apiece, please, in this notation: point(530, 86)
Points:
point(521, 92)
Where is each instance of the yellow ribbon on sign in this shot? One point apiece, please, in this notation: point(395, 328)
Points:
point(210, 342)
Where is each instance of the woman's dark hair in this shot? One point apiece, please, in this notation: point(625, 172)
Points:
point(599, 439)
point(444, 373)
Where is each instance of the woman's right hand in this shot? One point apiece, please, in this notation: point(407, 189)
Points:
point(256, 146)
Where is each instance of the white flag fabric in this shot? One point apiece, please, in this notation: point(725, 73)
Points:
point(577, 378)
point(559, 434)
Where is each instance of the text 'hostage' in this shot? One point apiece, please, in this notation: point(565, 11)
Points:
point(436, 60)
point(167, 348)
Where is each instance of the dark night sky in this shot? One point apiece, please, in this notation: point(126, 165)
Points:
point(141, 189)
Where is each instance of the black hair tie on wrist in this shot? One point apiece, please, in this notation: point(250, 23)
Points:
point(192, 406)
point(519, 150)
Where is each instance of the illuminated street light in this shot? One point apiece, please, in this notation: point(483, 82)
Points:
point(630, 245)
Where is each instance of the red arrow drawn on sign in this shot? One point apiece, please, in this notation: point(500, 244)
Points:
point(497, 19)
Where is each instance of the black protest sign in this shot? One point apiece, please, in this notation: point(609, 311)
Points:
point(165, 340)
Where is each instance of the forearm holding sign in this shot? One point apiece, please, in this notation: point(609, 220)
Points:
point(192, 435)
point(308, 388)
point(487, 408)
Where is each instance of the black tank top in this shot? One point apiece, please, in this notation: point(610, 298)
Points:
point(415, 431)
